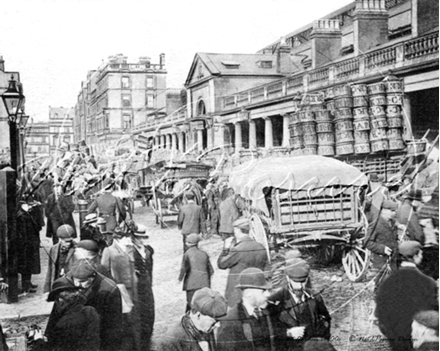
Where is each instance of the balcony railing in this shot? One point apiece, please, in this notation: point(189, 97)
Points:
point(402, 54)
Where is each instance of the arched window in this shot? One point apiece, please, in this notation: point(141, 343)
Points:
point(201, 110)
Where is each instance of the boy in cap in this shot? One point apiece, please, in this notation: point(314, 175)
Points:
point(302, 312)
point(196, 269)
point(252, 324)
point(102, 294)
point(238, 254)
point(402, 295)
point(61, 256)
point(196, 328)
point(425, 331)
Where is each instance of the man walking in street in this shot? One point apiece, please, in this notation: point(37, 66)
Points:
point(252, 324)
point(228, 213)
point(196, 269)
point(196, 328)
point(240, 252)
point(190, 219)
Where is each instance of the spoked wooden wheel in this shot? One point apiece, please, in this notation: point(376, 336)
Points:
point(258, 233)
point(355, 260)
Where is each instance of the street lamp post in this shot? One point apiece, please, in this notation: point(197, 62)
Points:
point(13, 100)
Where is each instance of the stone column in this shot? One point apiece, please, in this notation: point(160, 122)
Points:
point(174, 141)
point(157, 141)
point(163, 142)
point(168, 141)
point(200, 139)
point(406, 114)
point(268, 136)
point(252, 135)
point(210, 138)
point(238, 142)
point(180, 142)
point(286, 136)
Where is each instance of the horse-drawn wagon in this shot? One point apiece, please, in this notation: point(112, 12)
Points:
point(306, 201)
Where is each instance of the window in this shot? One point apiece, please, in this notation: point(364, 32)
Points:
point(125, 82)
point(231, 64)
point(126, 101)
point(201, 110)
point(126, 121)
point(265, 64)
point(106, 123)
point(150, 82)
point(150, 100)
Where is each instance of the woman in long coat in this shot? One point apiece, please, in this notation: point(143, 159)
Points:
point(29, 225)
point(130, 262)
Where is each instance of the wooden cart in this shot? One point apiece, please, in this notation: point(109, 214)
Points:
point(306, 201)
point(167, 197)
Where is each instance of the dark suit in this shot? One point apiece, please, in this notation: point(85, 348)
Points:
point(247, 253)
point(59, 211)
point(107, 206)
point(228, 213)
point(195, 271)
point(398, 299)
point(241, 332)
point(191, 220)
point(54, 268)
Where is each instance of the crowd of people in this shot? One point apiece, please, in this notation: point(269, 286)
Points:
point(101, 278)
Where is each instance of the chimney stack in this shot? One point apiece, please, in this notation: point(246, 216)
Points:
point(370, 25)
point(284, 66)
point(326, 41)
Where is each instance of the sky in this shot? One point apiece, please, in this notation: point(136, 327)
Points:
point(54, 43)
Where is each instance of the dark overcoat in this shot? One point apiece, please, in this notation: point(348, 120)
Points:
point(196, 269)
point(246, 253)
point(58, 212)
point(228, 213)
point(28, 240)
point(105, 297)
point(398, 299)
point(107, 206)
point(240, 332)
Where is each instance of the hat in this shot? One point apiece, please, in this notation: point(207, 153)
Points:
point(101, 220)
point(92, 217)
point(59, 285)
point(253, 278)
point(141, 231)
point(298, 270)
point(318, 344)
point(389, 205)
point(192, 239)
point(374, 177)
point(210, 303)
point(428, 318)
point(292, 254)
point(414, 195)
point(242, 223)
point(82, 269)
point(108, 183)
point(90, 245)
point(409, 248)
point(65, 231)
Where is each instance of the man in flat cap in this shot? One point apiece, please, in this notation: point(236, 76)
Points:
point(240, 252)
point(252, 324)
point(102, 294)
point(425, 331)
point(302, 312)
point(191, 219)
point(195, 331)
point(108, 206)
point(61, 256)
point(402, 295)
point(196, 269)
point(381, 238)
point(408, 218)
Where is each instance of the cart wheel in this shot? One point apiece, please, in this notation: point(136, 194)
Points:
point(355, 260)
point(258, 233)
